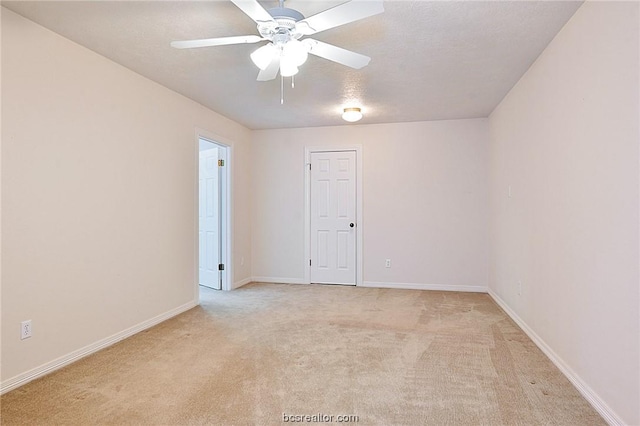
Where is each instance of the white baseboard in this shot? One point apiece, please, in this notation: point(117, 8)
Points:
point(373, 284)
point(415, 286)
point(278, 280)
point(240, 283)
point(592, 397)
point(49, 367)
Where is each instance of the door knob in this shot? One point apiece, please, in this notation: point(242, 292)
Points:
point(351, 225)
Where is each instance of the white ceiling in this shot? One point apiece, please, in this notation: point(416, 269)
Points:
point(430, 60)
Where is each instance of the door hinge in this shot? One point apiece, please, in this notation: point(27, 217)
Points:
point(309, 262)
point(220, 163)
point(309, 166)
point(221, 267)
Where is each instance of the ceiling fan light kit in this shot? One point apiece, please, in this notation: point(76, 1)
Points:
point(283, 28)
point(352, 114)
point(261, 57)
point(297, 51)
point(288, 67)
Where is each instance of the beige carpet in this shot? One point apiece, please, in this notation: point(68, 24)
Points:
point(390, 357)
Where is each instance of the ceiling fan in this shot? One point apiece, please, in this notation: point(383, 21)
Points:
point(283, 28)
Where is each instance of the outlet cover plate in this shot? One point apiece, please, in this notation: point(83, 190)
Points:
point(25, 329)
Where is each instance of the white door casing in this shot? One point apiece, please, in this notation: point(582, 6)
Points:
point(209, 219)
point(333, 221)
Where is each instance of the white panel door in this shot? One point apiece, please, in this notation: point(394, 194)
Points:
point(333, 217)
point(209, 219)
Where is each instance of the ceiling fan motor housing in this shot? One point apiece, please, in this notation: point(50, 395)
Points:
point(286, 13)
point(285, 23)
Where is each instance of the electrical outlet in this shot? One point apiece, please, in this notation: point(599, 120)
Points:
point(242, 261)
point(25, 329)
point(387, 263)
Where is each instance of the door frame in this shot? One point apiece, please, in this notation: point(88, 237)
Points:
point(226, 234)
point(307, 206)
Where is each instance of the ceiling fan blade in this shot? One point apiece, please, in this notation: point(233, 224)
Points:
point(337, 54)
point(271, 71)
point(339, 15)
point(220, 41)
point(254, 10)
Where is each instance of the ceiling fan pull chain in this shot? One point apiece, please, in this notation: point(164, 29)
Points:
point(281, 90)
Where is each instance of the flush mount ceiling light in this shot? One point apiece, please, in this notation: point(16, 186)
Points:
point(352, 114)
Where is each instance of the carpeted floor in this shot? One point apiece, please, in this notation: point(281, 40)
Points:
point(266, 351)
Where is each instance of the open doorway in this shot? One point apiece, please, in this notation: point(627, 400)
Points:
point(212, 215)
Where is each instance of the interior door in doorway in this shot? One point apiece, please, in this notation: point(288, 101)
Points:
point(209, 219)
point(333, 217)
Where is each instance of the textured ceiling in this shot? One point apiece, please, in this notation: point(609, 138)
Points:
point(430, 60)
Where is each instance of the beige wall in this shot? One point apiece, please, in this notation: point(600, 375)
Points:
point(98, 196)
point(424, 201)
point(566, 140)
point(98, 201)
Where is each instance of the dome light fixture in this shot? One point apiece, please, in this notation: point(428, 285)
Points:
point(352, 114)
